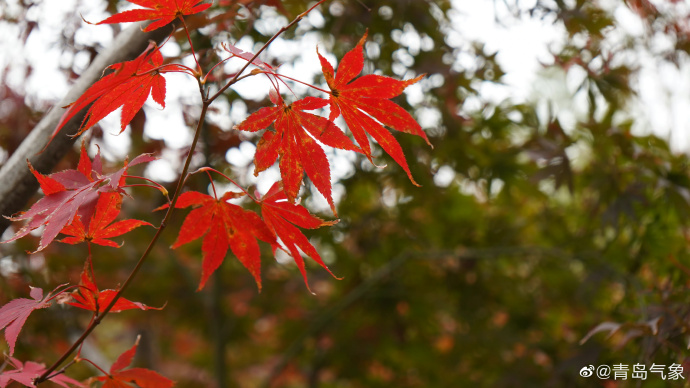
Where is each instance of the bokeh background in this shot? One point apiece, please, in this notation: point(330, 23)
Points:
point(550, 231)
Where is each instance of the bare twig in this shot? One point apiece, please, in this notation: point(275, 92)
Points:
point(274, 37)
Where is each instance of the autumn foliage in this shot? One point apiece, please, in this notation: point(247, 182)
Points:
point(84, 204)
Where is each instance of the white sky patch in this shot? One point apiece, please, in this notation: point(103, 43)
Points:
point(444, 176)
point(219, 114)
point(241, 156)
point(168, 124)
point(522, 44)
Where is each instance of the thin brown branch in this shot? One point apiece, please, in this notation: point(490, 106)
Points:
point(142, 259)
point(274, 37)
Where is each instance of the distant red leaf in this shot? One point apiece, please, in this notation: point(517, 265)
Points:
point(13, 315)
point(25, 373)
point(125, 378)
point(365, 104)
point(281, 217)
point(128, 86)
point(99, 230)
point(79, 197)
point(88, 296)
point(293, 141)
point(161, 12)
point(222, 225)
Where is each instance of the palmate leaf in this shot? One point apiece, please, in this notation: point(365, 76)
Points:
point(70, 194)
point(223, 225)
point(100, 229)
point(88, 297)
point(25, 373)
point(119, 377)
point(161, 12)
point(128, 86)
point(293, 143)
point(281, 217)
point(13, 315)
point(365, 105)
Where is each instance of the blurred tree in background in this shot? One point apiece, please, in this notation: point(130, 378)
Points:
point(537, 220)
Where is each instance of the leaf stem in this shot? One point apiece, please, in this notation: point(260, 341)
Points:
point(302, 82)
point(207, 169)
point(157, 185)
point(62, 292)
point(63, 369)
point(161, 69)
point(213, 186)
point(274, 37)
point(191, 46)
point(203, 80)
point(96, 366)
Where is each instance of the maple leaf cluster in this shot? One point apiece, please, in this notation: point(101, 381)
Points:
point(363, 103)
point(128, 85)
point(225, 225)
point(25, 373)
point(80, 203)
point(84, 203)
point(89, 297)
point(119, 377)
point(161, 12)
point(14, 314)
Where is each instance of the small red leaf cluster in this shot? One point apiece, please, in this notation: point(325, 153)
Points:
point(25, 373)
point(13, 315)
point(222, 225)
point(128, 85)
point(119, 377)
point(100, 228)
point(365, 105)
point(294, 142)
point(88, 297)
point(225, 225)
point(161, 12)
point(74, 199)
point(82, 204)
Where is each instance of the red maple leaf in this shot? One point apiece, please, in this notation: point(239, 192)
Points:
point(141, 377)
point(281, 217)
point(88, 296)
point(161, 11)
point(98, 232)
point(13, 315)
point(71, 193)
point(293, 143)
point(128, 86)
point(365, 105)
point(222, 225)
point(25, 373)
